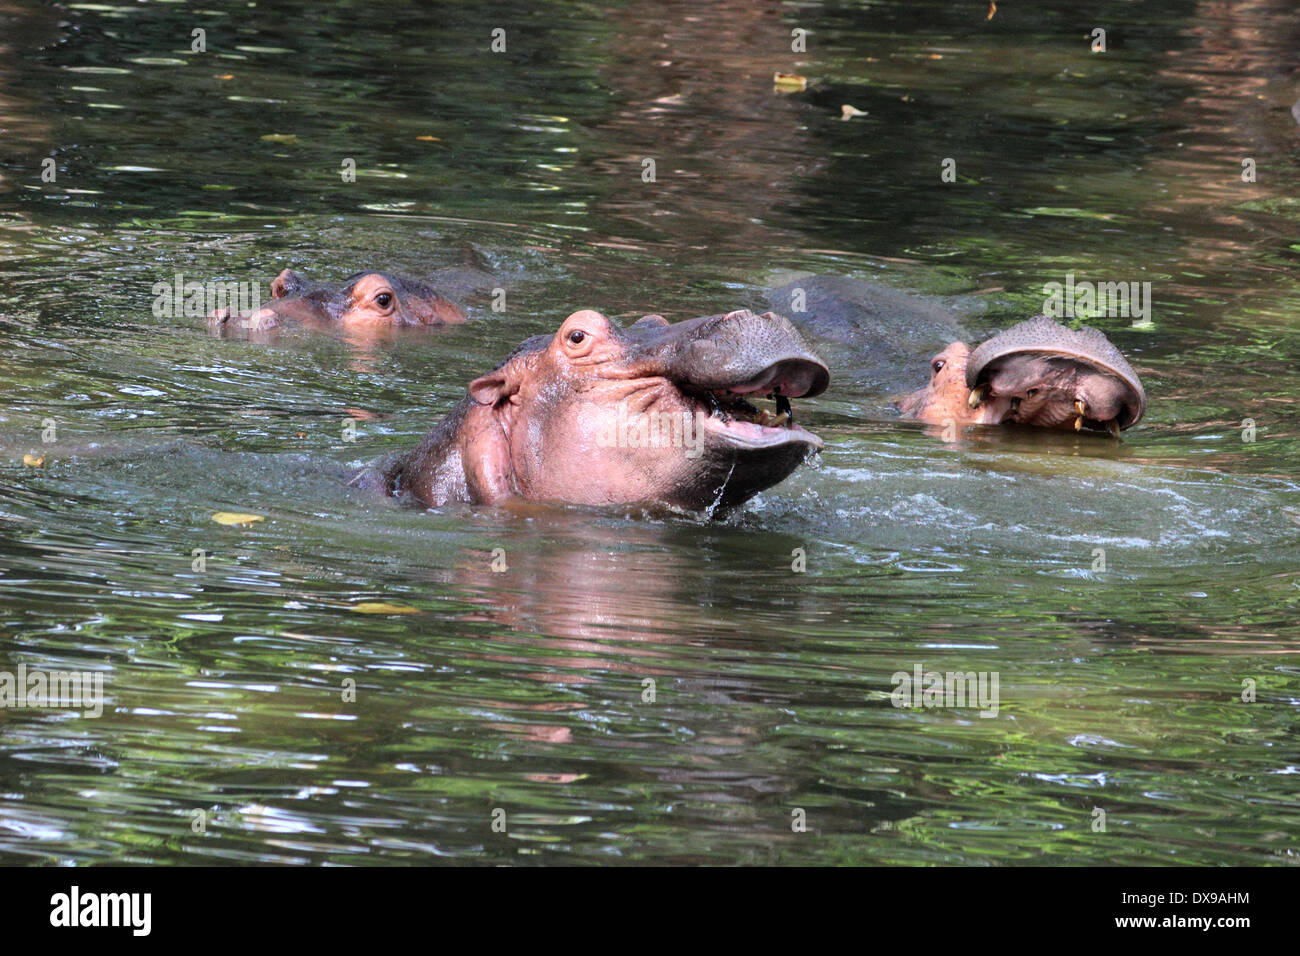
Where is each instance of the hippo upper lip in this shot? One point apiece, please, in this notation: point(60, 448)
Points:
point(792, 377)
point(1084, 346)
point(721, 360)
point(738, 352)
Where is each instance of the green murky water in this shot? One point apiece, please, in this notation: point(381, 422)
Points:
point(524, 691)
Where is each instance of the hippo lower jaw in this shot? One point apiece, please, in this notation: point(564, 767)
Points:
point(750, 448)
point(754, 436)
point(738, 423)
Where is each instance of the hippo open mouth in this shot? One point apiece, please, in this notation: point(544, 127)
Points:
point(726, 363)
point(1057, 377)
point(1038, 373)
point(657, 413)
point(734, 419)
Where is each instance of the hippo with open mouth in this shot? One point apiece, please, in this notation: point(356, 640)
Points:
point(364, 299)
point(1037, 372)
point(653, 414)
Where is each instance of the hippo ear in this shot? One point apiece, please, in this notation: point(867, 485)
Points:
point(286, 283)
point(496, 386)
point(433, 309)
point(490, 388)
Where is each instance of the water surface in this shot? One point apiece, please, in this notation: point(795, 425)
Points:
point(524, 690)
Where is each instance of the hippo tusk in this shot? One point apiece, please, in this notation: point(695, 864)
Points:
point(977, 396)
point(1112, 426)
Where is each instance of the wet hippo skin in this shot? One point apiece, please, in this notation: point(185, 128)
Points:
point(568, 418)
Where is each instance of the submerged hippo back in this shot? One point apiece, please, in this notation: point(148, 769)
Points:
point(871, 334)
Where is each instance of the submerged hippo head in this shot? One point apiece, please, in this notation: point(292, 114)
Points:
point(657, 413)
point(365, 299)
point(944, 399)
point(1056, 377)
point(1038, 372)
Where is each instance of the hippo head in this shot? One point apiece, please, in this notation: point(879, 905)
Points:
point(1038, 372)
point(365, 299)
point(654, 413)
point(1056, 377)
point(945, 398)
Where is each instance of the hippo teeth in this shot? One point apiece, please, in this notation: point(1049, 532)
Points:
point(730, 407)
point(784, 413)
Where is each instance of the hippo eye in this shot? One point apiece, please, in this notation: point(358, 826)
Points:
point(576, 337)
point(384, 300)
point(938, 365)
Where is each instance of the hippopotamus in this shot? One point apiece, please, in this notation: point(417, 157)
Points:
point(365, 299)
point(1037, 373)
point(657, 413)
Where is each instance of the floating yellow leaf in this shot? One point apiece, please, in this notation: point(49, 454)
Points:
point(790, 82)
point(993, 8)
point(223, 76)
point(428, 139)
point(235, 517)
point(279, 138)
point(379, 607)
point(34, 461)
point(847, 112)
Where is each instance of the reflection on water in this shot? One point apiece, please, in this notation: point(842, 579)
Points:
point(643, 687)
